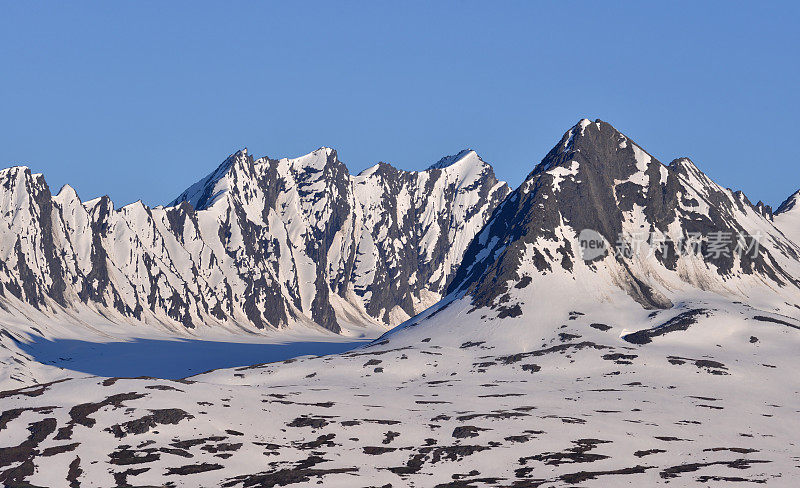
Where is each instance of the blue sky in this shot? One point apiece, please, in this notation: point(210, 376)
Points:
point(140, 99)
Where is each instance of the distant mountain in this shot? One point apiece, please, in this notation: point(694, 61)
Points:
point(787, 217)
point(256, 244)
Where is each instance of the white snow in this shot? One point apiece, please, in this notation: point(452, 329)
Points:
point(560, 173)
point(789, 221)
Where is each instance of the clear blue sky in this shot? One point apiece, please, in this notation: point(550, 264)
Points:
point(140, 99)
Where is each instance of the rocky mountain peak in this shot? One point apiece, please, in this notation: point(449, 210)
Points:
point(598, 179)
point(790, 204)
point(599, 147)
point(465, 156)
point(206, 191)
point(787, 217)
point(67, 195)
point(316, 160)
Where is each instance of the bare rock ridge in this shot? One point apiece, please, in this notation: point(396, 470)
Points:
point(257, 243)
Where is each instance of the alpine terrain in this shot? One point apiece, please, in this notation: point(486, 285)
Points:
point(257, 245)
point(612, 321)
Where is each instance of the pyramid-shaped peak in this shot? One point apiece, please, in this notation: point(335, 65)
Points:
point(585, 128)
point(203, 194)
point(787, 217)
point(380, 168)
point(791, 203)
point(591, 136)
point(597, 147)
point(67, 194)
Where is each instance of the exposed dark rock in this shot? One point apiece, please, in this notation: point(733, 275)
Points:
point(465, 431)
point(680, 322)
point(144, 424)
point(194, 468)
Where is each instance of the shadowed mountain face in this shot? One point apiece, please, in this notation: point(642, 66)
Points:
point(170, 359)
point(256, 244)
point(598, 179)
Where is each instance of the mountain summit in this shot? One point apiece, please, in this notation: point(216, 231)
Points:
point(787, 217)
point(461, 156)
point(205, 192)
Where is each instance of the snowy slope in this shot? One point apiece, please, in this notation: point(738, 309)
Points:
point(787, 217)
point(554, 399)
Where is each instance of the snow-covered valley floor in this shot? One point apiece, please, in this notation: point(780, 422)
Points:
point(37, 348)
point(711, 400)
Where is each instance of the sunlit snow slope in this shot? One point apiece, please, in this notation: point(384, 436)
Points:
point(787, 217)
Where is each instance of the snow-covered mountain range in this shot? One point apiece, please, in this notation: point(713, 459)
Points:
point(664, 352)
point(256, 244)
